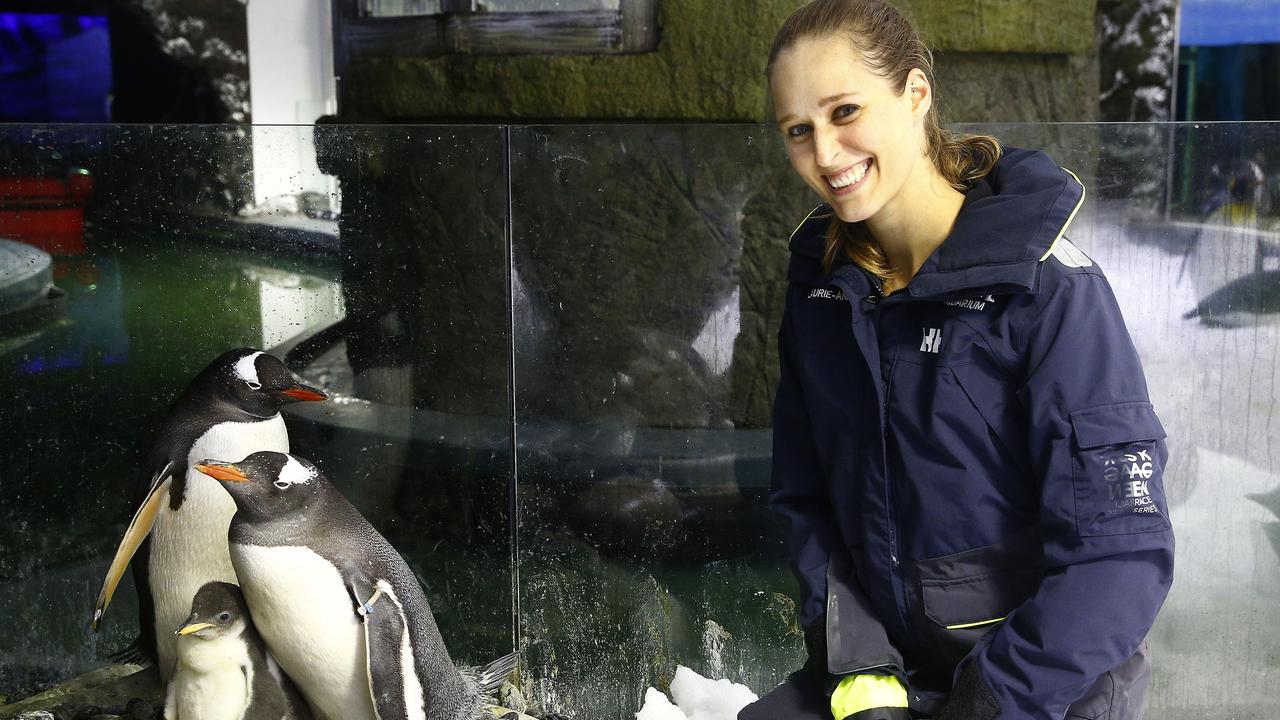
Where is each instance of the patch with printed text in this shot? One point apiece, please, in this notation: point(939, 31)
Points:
point(1118, 489)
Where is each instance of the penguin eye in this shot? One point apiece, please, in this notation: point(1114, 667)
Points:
point(281, 484)
point(253, 385)
point(224, 617)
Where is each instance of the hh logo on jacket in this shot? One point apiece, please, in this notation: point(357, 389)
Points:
point(932, 340)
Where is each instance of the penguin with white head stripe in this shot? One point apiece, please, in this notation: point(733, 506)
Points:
point(178, 537)
point(336, 604)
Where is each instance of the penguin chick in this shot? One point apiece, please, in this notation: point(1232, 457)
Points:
point(336, 604)
point(224, 671)
point(232, 407)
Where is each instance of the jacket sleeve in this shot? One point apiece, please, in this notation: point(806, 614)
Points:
point(798, 489)
point(1098, 450)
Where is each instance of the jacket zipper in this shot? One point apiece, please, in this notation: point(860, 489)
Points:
point(876, 298)
point(901, 592)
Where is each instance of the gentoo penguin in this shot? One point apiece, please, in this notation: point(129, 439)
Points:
point(232, 408)
point(336, 604)
point(1246, 301)
point(224, 672)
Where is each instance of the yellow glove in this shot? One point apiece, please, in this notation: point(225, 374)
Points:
point(878, 696)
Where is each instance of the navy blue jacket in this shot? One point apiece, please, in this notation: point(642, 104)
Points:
point(971, 466)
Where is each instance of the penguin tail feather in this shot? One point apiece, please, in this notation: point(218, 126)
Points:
point(490, 676)
point(131, 653)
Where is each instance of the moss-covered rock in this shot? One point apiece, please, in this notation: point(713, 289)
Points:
point(710, 65)
point(1005, 26)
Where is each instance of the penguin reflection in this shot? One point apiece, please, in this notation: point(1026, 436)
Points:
point(224, 672)
point(336, 604)
point(232, 408)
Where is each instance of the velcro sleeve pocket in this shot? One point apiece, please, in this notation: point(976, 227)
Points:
point(1117, 470)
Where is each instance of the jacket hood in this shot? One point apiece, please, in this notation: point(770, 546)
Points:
point(1009, 223)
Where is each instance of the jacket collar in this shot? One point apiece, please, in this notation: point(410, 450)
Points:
point(1008, 225)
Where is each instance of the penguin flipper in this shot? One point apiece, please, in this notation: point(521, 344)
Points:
point(385, 628)
point(139, 528)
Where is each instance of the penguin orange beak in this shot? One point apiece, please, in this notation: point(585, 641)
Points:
point(225, 473)
point(304, 393)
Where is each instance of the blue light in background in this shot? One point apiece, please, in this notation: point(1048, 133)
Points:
point(33, 366)
point(54, 68)
point(1229, 22)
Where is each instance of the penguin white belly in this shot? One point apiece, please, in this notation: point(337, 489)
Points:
point(211, 683)
point(189, 545)
point(303, 611)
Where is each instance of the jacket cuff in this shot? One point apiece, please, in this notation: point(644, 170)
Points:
point(970, 699)
point(896, 713)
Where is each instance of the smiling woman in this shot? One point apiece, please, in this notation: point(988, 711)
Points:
point(861, 125)
point(977, 518)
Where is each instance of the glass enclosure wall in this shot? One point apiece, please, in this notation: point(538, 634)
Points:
point(164, 276)
point(551, 358)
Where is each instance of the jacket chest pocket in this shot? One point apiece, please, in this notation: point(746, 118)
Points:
point(992, 395)
point(957, 431)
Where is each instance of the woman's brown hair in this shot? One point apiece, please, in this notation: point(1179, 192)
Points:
point(890, 46)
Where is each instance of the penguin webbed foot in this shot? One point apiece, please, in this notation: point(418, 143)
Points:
point(131, 654)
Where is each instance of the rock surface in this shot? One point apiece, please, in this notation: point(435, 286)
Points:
point(131, 692)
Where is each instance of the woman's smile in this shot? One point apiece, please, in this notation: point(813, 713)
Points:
point(848, 179)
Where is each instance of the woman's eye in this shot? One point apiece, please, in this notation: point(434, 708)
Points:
point(846, 110)
point(796, 131)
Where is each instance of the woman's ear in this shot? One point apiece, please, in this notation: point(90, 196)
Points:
point(919, 92)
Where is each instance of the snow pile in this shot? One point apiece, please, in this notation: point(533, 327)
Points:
point(697, 698)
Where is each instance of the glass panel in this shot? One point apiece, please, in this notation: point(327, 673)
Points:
point(645, 262)
point(393, 300)
point(649, 267)
point(645, 284)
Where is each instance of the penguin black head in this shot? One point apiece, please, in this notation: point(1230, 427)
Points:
point(217, 611)
point(268, 484)
point(255, 382)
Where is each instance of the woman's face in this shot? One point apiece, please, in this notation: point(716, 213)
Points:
point(849, 135)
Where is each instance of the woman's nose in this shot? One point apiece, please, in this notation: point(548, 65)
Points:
point(826, 146)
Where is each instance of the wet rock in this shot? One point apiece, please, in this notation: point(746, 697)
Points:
point(629, 513)
point(138, 709)
point(94, 694)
